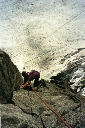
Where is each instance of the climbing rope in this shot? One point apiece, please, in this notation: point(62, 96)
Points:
point(51, 109)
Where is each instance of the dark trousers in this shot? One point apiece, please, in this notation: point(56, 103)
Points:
point(36, 82)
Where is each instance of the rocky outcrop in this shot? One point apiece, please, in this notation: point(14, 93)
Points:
point(10, 78)
point(75, 71)
point(29, 112)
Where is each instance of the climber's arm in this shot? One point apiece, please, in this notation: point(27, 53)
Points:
point(22, 84)
point(28, 82)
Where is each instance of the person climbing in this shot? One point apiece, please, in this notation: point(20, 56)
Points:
point(28, 77)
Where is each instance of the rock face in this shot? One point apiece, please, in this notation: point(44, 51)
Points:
point(29, 112)
point(10, 78)
point(75, 71)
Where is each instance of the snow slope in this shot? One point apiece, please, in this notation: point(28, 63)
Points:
point(37, 34)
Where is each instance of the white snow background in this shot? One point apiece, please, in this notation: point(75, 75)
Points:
point(37, 34)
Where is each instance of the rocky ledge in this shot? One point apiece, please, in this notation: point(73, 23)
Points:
point(26, 109)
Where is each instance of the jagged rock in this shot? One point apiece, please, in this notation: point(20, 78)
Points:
point(75, 71)
point(12, 116)
point(68, 105)
point(29, 112)
point(10, 78)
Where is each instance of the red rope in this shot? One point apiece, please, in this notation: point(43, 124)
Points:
point(52, 109)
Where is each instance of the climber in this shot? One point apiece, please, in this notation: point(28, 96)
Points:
point(28, 77)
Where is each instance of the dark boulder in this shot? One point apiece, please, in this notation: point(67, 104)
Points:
point(10, 78)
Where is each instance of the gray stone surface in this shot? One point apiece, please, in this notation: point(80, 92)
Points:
point(29, 111)
point(26, 109)
point(10, 78)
